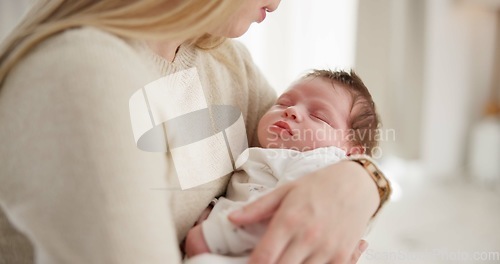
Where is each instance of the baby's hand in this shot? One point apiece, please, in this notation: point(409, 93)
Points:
point(204, 215)
point(195, 242)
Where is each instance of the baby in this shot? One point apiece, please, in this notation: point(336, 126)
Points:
point(322, 118)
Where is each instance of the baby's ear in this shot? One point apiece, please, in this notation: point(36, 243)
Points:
point(355, 150)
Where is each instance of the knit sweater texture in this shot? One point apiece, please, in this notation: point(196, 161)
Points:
point(74, 186)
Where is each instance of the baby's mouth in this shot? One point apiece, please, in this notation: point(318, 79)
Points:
point(284, 125)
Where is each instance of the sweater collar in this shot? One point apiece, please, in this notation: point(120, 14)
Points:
point(184, 59)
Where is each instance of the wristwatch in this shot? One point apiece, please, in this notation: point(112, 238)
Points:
point(383, 185)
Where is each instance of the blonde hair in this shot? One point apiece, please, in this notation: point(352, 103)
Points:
point(133, 19)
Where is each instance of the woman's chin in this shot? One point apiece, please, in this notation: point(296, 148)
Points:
point(234, 31)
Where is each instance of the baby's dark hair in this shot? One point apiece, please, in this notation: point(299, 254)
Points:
point(363, 120)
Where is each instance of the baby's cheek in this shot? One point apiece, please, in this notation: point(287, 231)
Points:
point(329, 137)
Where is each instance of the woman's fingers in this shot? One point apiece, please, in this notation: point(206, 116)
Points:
point(261, 209)
point(362, 246)
point(296, 252)
point(273, 243)
point(276, 237)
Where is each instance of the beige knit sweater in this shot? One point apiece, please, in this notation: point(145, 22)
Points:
point(72, 179)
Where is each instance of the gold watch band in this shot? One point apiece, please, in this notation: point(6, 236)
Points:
point(383, 185)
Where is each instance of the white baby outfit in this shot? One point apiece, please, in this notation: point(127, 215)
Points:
point(258, 171)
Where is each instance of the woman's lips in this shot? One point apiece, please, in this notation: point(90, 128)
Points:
point(262, 15)
point(281, 125)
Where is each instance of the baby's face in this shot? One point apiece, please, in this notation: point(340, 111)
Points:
point(312, 113)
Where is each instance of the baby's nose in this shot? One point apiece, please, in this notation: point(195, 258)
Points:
point(292, 113)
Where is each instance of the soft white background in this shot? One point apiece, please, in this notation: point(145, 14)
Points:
point(430, 67)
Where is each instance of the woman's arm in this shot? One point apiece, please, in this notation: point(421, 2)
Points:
point(72, 179)
point(319, 218)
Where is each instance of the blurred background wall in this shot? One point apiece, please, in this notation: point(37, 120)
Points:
point(432, 66)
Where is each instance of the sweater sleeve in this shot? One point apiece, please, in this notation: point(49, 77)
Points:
point(72, 179)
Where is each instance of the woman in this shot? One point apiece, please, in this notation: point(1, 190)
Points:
point(74, 182)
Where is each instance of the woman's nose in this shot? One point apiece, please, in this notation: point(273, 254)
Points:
point(292, 113)
point(273, 5)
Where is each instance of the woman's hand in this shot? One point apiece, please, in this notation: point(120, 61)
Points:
point(318, 218)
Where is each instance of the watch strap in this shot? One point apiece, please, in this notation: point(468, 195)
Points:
point(383, 185)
